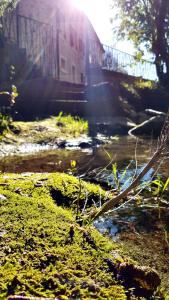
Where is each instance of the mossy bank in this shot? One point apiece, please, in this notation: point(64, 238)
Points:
point(48, 130)
point(44, 252)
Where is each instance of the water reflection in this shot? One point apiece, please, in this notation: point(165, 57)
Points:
point(120, 150)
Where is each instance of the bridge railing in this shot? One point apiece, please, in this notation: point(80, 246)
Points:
point(41, 45)
point(119, 61)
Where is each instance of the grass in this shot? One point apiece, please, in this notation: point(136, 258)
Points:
point(47, 130)
point(37, 255)
point(72, 125)
point(5, 122)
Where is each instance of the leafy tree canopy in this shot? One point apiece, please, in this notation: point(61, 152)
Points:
point(7, 5)
point(146, 23)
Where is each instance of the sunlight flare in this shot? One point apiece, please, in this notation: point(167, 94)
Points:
point(99, 13)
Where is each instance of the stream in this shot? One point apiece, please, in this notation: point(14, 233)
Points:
point(50, 158)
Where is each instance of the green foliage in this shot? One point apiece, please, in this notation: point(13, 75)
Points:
point(5, 122)
point(138, 87)
point(119, 178)
point(37, 255)
point(158, 186)
point(6, 119)
point(73, 125)
point(146, 24)
point(13, 95)
point(7, 5)
point(116, 176)
point(144, 84)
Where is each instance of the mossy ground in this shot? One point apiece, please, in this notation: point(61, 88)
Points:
point(37, 255)
point(46, 130)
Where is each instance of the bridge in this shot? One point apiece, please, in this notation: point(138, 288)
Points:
point(122, 62)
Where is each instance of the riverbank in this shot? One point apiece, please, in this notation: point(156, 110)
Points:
point(48, 130)
point(46, 253)
point(46, 134)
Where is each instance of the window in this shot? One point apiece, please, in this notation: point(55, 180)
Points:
point(81, 45)
point(73, 73)
point(63, 24)
point(76, 40)
point(82, 77)
point(63, 63)
point(71, 37)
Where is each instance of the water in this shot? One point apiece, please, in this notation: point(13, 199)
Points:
point(47, 158)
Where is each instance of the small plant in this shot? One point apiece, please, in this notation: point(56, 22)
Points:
point(121, 179)
point(71, 125)
point(158, 186)
point(13, 95)
point(5, 117)
point(5, 122)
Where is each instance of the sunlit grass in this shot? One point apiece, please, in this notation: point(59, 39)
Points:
point(50, 129)
point(72, 125)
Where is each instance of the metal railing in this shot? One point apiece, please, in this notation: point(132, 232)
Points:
point(38, 40)
point(119, 61)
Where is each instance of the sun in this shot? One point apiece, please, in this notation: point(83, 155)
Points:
point(84, 5)
point(99, 13)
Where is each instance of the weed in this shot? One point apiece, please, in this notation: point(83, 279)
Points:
point(71, 125)
point(5, 118)
point(5, 122)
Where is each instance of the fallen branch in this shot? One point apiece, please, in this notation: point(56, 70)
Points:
point(160, 154)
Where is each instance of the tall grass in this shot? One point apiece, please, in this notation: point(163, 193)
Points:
point(71, 125)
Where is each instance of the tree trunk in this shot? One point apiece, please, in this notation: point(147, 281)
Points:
point(160, 44)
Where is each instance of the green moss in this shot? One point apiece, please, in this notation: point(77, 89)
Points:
point(37, 255)
point(47, 130)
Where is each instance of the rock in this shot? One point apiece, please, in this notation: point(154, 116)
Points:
point(145, 280)
point(85, 145)
point(117, 125)
point(2, 197)
point(142, 117)
point(62, 144)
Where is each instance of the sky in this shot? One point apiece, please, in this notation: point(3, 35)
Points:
point(99, 13)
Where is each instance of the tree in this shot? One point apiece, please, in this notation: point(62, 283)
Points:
point(146, 24)
point(7, 5)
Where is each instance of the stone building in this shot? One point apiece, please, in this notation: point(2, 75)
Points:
point(57, 38)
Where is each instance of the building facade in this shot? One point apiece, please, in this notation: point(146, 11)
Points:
point(57, 38)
